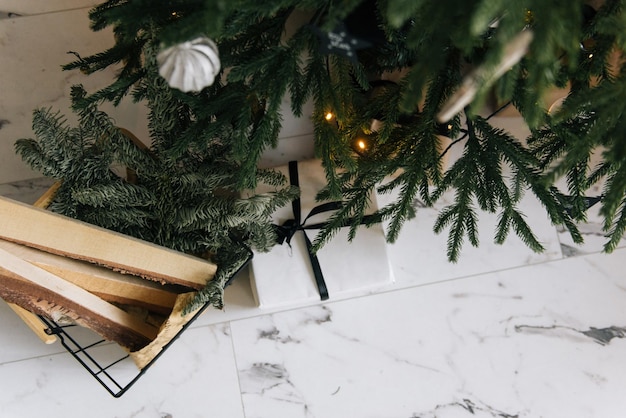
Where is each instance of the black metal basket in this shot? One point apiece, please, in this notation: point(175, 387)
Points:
point(106, 361)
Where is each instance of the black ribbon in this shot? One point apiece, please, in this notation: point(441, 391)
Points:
point(589, 202)
point(289, 228)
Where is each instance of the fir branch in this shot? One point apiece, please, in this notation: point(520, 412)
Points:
point(403, 208)
point(617, 229)
point(399, 11)
point(229, 262)
point(114, 194)
point(615, 187)
point(205, 146)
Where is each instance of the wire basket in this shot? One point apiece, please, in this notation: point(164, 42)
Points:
point(106, 361)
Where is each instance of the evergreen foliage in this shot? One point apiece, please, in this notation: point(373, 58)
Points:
point(188, 203)
point(206, 146)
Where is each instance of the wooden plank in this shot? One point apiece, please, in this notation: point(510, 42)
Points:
point(30, 319)
point(60, 235)
point(46, 198)
point(34, 323)
point(46, 294)
point(107, 284)
point(170, 328)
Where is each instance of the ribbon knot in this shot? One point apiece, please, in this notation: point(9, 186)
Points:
point(286, 231)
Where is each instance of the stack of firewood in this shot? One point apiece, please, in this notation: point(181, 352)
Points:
point(127, 290)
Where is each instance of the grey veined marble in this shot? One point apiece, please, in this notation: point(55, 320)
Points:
point(27, 191)
point(504, 333)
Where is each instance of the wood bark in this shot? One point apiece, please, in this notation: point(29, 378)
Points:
point(107, 284)
point(44, 293)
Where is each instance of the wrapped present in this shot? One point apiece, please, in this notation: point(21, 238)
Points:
point(290, 274)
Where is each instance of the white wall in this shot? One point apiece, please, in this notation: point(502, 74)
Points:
point(32, 7)
point(32, 50)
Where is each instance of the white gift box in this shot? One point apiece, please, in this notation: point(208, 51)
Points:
point(284, 276)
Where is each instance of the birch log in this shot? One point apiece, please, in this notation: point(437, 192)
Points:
point(107, 284)
point(44, 293)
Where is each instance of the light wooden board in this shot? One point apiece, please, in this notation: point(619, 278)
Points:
point(170, 328)
point(46, 294)
point(34, 323)
point(60, 235)
point(107, 284)
point(30, 319)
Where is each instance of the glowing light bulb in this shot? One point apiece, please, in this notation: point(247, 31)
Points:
point(329, 116)
point(590, 56)
point(449, 127)
point(361, 144)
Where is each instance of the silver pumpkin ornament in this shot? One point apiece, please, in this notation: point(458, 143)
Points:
point(190, 66)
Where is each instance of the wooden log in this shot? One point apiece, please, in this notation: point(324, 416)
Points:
point(47, 198)
point(107, 284)
point(34, 323)
point(60, 235)
point(30, 319)
point(170, 328)
point(46, 294)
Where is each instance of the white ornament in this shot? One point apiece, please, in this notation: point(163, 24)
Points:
point(190, 66)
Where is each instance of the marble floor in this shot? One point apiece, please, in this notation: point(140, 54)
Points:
point(503, 333)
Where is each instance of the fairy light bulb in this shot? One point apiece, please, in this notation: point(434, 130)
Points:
point(329, 116)
point(363, 143)
point(529, 17)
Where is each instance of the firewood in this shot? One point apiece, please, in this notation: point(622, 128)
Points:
point(44, 293)
point(60, 235)
point(107, 284)
point(34, 323)
point(31, 320)
point(170, 328)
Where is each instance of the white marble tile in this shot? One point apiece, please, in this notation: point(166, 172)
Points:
point(27, 191)
point(195, 377)
point(17, 342)
point(419, 255)
point(541, 341)
point(592, 231)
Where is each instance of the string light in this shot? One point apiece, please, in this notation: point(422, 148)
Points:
point(444, 129)
point(329, 116)
point(362, 144)
point(529, 17)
